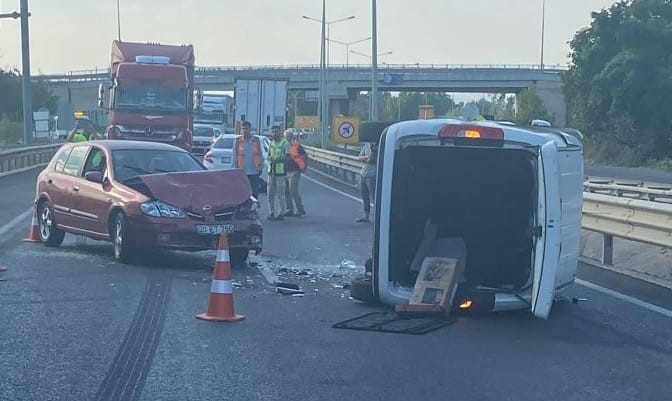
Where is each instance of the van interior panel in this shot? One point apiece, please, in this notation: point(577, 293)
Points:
point(485, 196)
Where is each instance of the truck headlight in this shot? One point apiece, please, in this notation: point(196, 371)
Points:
point(161, 209)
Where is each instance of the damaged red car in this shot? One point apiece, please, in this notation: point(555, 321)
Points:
point(141, 195)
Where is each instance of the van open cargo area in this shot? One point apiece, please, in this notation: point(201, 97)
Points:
point(484, 196)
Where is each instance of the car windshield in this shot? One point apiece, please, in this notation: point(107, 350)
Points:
point(224, 143)
point(151, 96)
point(130, 163)
point(204, 131)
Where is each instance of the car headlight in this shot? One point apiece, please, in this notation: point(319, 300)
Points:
point(248, 210)
point(161, 209)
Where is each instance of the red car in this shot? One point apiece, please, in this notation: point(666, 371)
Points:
point(141, 195)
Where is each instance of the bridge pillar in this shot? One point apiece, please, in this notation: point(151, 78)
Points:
point(552, 96)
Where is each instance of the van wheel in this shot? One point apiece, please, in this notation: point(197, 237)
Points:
point(361, 288)
point(122, 248)
point(50, 235)
point(238, 256)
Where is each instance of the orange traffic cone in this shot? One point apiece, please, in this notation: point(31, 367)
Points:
point(34, 233)
point(220, 302)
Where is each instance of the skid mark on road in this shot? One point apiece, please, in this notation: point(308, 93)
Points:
point(126, 377)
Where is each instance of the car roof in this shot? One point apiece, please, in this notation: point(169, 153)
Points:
point(139, 145)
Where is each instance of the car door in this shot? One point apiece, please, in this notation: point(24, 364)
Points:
point(57, 187)
point(92, 200)
point(547, 254)
point(68, 186)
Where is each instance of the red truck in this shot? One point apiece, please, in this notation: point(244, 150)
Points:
point(151, 93)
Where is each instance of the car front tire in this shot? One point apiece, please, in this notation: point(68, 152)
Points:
point(122, 248)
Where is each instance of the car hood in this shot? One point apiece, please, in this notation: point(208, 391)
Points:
point(192, 191)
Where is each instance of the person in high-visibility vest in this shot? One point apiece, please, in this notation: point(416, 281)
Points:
point(249, 157)
point(277, 154)
point(296, 164)
point(78, 136)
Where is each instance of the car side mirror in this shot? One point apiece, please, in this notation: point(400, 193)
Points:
point(94, 176)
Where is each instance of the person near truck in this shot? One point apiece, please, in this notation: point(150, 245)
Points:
point(277, 154)
point(249, 156)
point(296, 163)
point(368, 155)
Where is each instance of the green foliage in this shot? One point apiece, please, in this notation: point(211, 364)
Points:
point(10, 133)
point(11, 107)
point(619, 87)
point(530, 108)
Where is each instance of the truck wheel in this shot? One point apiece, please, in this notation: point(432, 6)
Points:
point(50, 235)
point(361, 288)
point(238, 256)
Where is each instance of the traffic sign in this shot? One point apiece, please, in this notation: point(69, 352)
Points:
point(345, 130)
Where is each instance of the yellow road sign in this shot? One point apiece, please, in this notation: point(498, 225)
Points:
point(345, 130)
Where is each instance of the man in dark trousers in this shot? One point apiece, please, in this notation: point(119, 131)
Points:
point(296, 164)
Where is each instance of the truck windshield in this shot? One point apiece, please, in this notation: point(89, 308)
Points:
point(151, 97)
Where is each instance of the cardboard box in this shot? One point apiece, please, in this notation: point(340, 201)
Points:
point(436, 283)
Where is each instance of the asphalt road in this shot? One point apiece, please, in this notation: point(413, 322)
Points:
point(630, 173)
point(74, 325)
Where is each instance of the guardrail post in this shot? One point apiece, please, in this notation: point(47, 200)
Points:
point(607, 249)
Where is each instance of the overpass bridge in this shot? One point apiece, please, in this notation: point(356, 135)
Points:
point(78, 89)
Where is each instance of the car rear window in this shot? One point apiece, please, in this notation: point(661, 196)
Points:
point(129, 163)
point(224, 143)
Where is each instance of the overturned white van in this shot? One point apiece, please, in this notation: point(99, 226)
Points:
point(512, 195)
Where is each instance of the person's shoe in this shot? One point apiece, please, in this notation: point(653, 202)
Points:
point(362, 220)
point(279, 217)
point(289, 213)
point(271, 217)
point(300, 213)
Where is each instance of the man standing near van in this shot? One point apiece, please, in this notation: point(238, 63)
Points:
point(249, 156)
point(296, 164)
point(278, 154)
point(368, 155)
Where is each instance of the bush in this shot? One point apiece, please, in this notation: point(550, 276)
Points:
point(10, 133)
point(603, 151)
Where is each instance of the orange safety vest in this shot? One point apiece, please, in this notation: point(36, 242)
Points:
point(300, 160)
point(256, 151)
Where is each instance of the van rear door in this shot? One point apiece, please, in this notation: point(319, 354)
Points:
point(547, 251)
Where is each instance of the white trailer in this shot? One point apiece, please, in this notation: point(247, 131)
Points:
point(262, 102)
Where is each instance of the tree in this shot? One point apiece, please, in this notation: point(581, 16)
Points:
point(11, 106)
point(530, 108)
point(619, 85)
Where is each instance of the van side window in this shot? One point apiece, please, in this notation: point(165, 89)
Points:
point(76, 160)
point(62, 158)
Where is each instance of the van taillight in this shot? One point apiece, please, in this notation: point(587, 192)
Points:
point(471, 132)
point(208, 158)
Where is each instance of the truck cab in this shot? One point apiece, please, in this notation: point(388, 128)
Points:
point(151, 93)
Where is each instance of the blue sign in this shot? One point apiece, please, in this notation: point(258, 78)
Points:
point(392, 78)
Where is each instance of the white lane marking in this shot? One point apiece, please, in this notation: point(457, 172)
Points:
point(615, 294)
point(18, 219)
point(356, 199)
point(270, 277)
point(626, 298)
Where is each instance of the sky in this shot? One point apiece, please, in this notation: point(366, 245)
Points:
point(67, 35)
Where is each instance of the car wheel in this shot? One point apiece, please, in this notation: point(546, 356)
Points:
point(50, 235)
point(122, 248)
point(238, 256)
point(361, 288)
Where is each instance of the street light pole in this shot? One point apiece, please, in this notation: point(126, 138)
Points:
point(374, 63)
point(25, 70)
point(324, 116)
point(118, 21)
point(543, 31)
point(347, 47)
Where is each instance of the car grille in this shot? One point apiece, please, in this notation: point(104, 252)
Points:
point(221, 215)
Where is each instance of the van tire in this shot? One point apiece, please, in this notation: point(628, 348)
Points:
point(361, 288)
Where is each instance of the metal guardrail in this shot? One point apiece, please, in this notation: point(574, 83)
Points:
point(19, 159)
point(612, 214)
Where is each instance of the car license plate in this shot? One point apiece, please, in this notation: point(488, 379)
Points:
point(213, 229)
point(226, 159)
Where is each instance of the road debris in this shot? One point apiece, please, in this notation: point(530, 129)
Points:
point(288, 289)
point(347, 263)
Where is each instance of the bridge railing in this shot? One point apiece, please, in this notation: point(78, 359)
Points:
point(645, 218)
point(98, 73)
point(21, 159)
